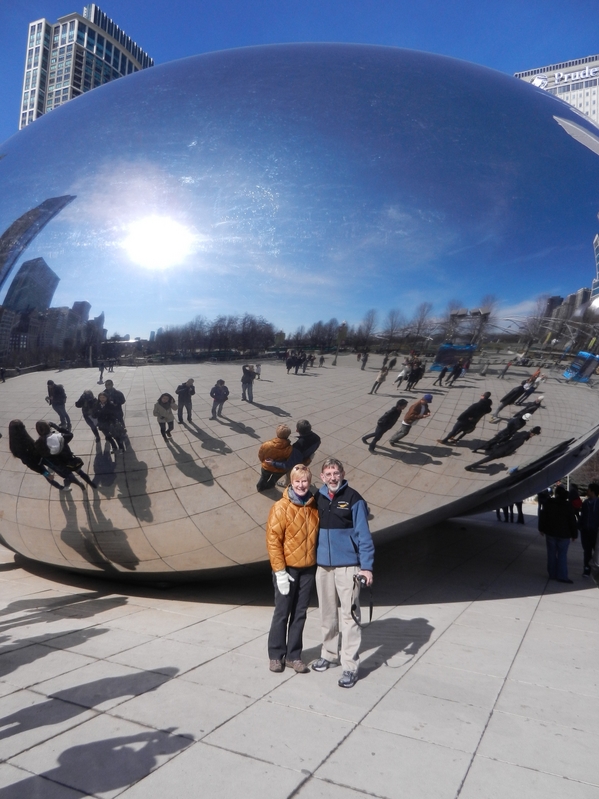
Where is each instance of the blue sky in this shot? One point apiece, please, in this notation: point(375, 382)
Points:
point(426, 229)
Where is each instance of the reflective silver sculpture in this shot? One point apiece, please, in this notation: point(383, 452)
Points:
point(292, 182)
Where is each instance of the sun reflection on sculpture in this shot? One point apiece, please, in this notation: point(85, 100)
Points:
point(158, 242)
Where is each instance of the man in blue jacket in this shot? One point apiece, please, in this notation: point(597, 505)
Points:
point(344, 550)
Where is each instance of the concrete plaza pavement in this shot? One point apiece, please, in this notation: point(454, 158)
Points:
point(478, 679)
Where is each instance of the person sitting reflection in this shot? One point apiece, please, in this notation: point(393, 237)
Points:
point(22, 446)
point(109, 422)
point(87, 403)
point(53, 448)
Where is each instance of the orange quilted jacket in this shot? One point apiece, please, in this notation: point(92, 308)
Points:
point(277, 449)
point(291, 534)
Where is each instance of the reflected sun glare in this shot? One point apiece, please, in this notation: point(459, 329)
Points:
point(157, 242)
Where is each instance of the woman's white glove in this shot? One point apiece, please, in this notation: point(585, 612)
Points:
point(283, 581)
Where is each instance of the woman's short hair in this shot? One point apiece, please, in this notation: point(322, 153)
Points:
point(300, 471)
point(43, 428)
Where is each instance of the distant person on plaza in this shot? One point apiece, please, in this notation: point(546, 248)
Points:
point(344, 554)
point(515, 423)
point(117, 398)
point(291, 535)
point(57, 400)
point(506, 448)
point(505, 370)
point(3, 374)
point(385, 423)
point(456, 371)
point(557, 522)
point(101, 367)
point(391, 364)
point(468, 419)
point(529, 388)
point(402, 375)
point(364, 361)
point(277, 449)
point(109, 422)
point(588, 524)
point(87, 403)
point(258, 370)
point(419, 410)
point(22, 446)
point(53, 448)
point(220, 394)
point(289, 363)
point(509, 399)
point(163, 411)
point(416, 374)
point(321, 360)
point(184, 394)
point(247, 382)
point(442, 373)
point(302, 450)
point(380, 379)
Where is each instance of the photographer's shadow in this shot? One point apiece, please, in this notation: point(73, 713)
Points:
point(391, 637)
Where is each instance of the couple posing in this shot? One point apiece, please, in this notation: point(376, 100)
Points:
point(324, 538)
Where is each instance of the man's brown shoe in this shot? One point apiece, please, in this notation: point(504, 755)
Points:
point(298, 665)
point(277, 665)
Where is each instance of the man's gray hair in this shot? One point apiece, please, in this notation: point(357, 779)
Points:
point(332, 462)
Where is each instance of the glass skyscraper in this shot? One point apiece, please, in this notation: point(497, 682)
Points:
point(72, 56)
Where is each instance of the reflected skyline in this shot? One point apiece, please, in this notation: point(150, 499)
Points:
point(377, 177)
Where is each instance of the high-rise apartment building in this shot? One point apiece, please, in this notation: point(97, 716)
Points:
point(72, 56)
point(32, 287)
point(574, 81)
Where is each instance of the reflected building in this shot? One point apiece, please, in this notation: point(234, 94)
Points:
point(72, 56)
point(574, 82)
point(32, 287)
point(19, 235)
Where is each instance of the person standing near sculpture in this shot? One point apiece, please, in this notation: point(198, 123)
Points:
point(22, 446)
point(163, 411)
point(588, 524)
point(109, 422)
point(87, 403)
point(291, 534)
point(118, 400)
point(57, 400)
point(557, 523)
point(385, 423)
point(247, 383)
point(509, 399)
point(442, 373)
point(380, 379)
point(468, 419)
point(220, 394)
point(505, 448)
point(53, 448)
point(184, 394)
point(345, 558)
point(419, 410)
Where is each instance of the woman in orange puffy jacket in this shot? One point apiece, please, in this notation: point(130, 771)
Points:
point(291, 535)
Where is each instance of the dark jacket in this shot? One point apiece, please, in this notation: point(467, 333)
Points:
point(476, 411)
point(589, 516)
point(512, 395)
point(219, 393)
point(185, 392)
point(344, 536)
point(248, 375)
point(57, 394)
point(508, 447)
point(86, 402)
point(301, 451)
point(557, 518)
point(389, 418)
point(512, 427)
point(530, 407)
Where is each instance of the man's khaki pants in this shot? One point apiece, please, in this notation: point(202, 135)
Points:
point(333, 582)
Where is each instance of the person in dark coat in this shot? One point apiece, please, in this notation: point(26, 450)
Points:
point(509, 399)
point(87, 403)
point(468, 419)
point(57, 399)
point(220, 394)
point(557, 522)
point(385, 423)
point(442, 373)
point(302, 450)
point(22, 446)
point(456, 371)
point(515, 423)
point(530, 407)
point(184, 394)
point(588, 524)
point(247, 382)
point(506, 448)
point(109, 422)
point(117, 398)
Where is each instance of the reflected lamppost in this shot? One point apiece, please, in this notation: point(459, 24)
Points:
point(341, 334)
